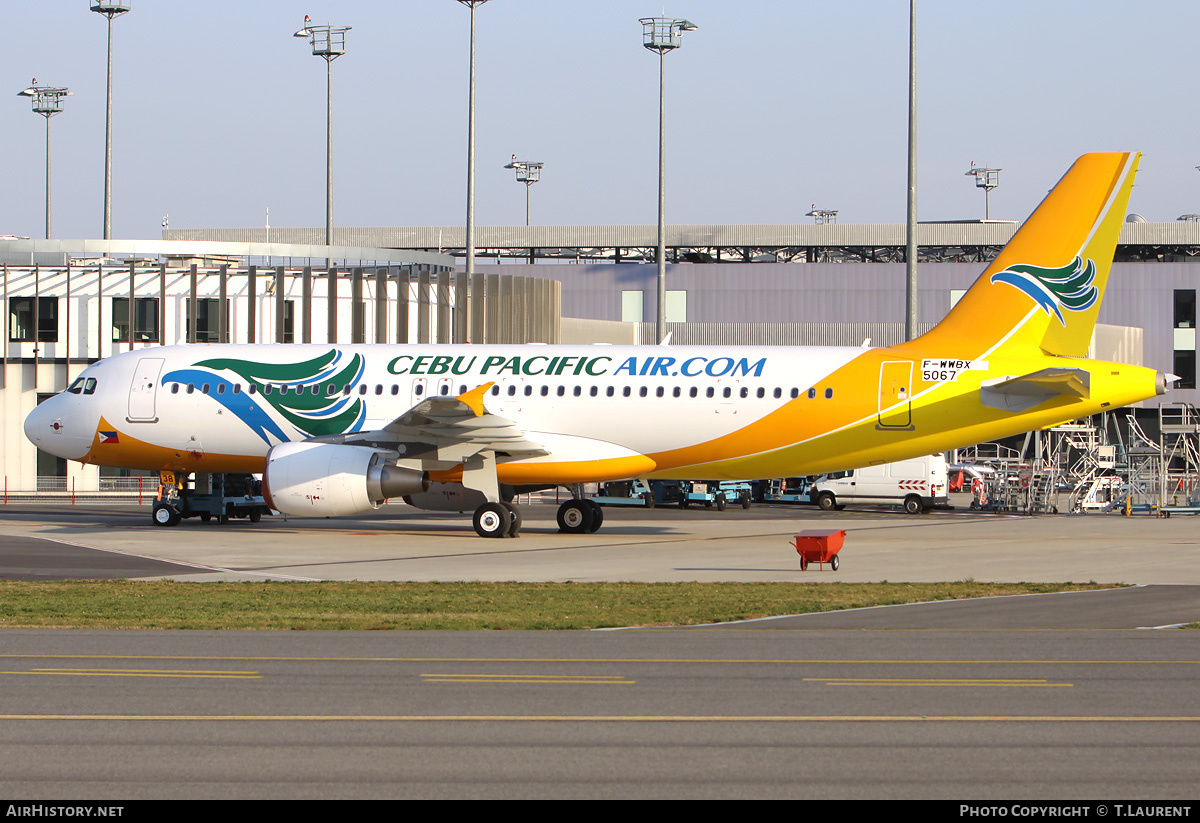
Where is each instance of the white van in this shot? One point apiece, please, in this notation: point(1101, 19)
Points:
point(917, 485)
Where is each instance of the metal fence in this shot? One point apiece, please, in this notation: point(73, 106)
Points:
point(69, 491)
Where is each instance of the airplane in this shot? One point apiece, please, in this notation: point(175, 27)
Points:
point(338, 429)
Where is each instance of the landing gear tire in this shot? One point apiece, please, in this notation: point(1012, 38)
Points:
point(492, 520)
point(597, 516)
point(514, 521)
point(827, 502)
point(164, 514)
point(913, 505)
point(576, 516)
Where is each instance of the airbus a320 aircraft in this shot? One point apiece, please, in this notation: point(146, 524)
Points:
point(337, 430)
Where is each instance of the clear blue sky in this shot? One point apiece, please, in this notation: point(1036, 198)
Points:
point(773, 105)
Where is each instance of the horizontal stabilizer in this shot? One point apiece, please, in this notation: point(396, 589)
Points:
point(1021, 393)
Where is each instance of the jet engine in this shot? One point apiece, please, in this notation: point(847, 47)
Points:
point(330, 479)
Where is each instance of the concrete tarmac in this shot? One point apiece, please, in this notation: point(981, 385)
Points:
point(401, 543)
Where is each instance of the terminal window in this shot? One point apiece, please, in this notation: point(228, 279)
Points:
point(145, 320)
point(207, 320)
point(1185, 338)
point(21, 326)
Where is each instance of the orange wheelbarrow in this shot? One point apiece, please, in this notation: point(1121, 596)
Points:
point(819, 546)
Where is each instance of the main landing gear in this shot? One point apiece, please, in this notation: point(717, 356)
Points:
point(580, 516)
point(497, 520)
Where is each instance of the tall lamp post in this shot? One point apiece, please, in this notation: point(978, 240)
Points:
point(986, 179)
point(910, 229)
point(662, 35)
point(471, 4)
point(47, 101)
point(110, 9)
point(328, 42)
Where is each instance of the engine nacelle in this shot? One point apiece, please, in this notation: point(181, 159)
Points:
point(330, 479)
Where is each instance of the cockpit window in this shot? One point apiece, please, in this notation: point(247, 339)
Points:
point(89, 386)
point(76, 387)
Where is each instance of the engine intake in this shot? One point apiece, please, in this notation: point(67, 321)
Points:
point(330, 479)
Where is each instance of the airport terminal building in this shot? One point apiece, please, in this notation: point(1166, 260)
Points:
point(71, 303)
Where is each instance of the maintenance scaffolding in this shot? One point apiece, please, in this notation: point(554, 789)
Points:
point(1106, 463)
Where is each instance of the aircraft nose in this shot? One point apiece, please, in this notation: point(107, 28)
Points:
point(48, 427)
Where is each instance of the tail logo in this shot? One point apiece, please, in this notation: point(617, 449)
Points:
point(1070, 287)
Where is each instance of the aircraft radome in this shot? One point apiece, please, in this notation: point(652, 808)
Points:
point(337, 429)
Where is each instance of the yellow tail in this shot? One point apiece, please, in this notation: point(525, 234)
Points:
point(1045, 288)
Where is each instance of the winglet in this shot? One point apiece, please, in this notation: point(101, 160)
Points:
point(473, 399)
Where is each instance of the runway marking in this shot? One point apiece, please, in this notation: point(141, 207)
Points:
point(917, 681)
point(556, 679)
point(501, 718)
point(621, 660)
point(229, 675)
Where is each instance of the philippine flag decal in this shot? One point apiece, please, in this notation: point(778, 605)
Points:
point(108, 437)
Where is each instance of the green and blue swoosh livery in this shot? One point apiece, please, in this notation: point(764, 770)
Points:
point(1071, 287)
point(310, 396)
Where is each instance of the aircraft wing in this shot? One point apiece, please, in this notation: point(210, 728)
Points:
point(456, 427)
point(1018, 393)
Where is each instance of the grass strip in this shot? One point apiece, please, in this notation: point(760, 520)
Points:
point(341, 606)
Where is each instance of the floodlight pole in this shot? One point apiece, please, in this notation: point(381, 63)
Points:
point(986, 179)
point(662, 34)
point(109, 9)
point(528, 172)
point(470, 238)
point(47, 101)
point(328, 42)
point(910, 246)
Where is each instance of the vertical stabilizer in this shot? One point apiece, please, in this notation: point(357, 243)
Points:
point(1044, 289)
